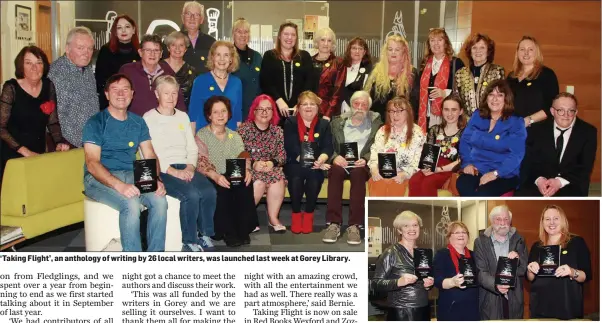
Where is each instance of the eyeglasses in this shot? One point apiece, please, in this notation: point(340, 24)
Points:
point(189, 14)
point(151, 51)
point(263, 110)
point(562, 112)
point(392, 111)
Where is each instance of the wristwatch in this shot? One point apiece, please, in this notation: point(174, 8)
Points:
point(531, 121)
point(495, 173)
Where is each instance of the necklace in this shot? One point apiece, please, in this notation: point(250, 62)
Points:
point(287, 94)
point(219, 77)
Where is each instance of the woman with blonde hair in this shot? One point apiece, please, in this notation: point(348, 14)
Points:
point(250, 64)
point(223, 60)
point(401, 136)
point(176, 44)
point(437, 71)
point(559, 296)
point(407, 296)
point(456, 302)
point(324, 60)
point(393, 76)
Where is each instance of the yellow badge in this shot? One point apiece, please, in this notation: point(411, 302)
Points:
point(181, 126)
point(131, 144)
point(529, 84)
point(497, 137)
point(454, 140)
point(327, 64)
point(564, 252)
point(257, 68)
point(189, 72)
point(316, 135)
point(297, 64)
point(202, 58)
point(134, 61)
point(485, 83)
point(230, 136)
point(403, 145)
point(211, 88)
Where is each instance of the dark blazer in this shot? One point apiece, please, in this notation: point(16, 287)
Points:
point(292, 145)
point(576, 164)
point(248, 73)
point(196, 55)
point(380, 105)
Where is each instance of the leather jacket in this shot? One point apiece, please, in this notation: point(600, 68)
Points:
point(394, 262)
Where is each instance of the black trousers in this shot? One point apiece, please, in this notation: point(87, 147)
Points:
point(409, 314)
point(530, 189)
point(303, 181)
point(235, 213)
point(468, 185)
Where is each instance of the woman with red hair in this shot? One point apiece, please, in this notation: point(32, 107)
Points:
point(122, 48)
point(264, 140)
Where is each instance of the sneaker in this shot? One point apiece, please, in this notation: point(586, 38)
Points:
point(353, 235)
point(206, 242)
point(191, 247)
point(332, 233)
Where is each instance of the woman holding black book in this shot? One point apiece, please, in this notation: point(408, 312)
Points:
point(559, 265)
point(396, 273)
point(456, 276)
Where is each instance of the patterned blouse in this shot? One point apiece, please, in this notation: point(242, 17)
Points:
point(185, 77)
point(449, 144)
point(407, 156)
point(265, 145)
point(217, 150)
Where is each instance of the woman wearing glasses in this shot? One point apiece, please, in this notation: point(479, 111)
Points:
point(401, 136)
point(264, 140)
point(456, 302)
point(307, 138)
point(437, 71)
point(199, 43)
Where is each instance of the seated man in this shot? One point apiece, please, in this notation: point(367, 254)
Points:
point(360, 126)
point(111, 138)
point(562, 150)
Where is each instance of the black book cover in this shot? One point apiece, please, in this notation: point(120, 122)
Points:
point(423, 263)
point(429, 157)
point(308, 154)
point(549, 260)
point(387, 165)
point(236, 171)
point(350, 152)
point(468, 270)
point(506, 271)
point(145, 175)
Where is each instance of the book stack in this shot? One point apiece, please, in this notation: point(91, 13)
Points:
point(8, 234)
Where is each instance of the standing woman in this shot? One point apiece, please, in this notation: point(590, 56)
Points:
point(324, 60)
point(438, 68)
point(250, 64)
point(286, 70)
point(28, 109)
point(455, 302)
point(223, 60)
point(559, 297)
point(348, 76)
point(306, 126)
point(393, 76)
point(403, 137)
point(265, 141)
point(471, 81)
point(534, 85)
point(176, 44)
point(447, 136)
point(121, 49)
point(407, 296)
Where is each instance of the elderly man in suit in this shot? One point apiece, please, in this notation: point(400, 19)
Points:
point(563, 151)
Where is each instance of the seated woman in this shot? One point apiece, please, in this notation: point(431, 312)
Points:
point(235, 213)
point(447, 136)
point(399, 135)
point(306, 129)
point(264, 139)
point(28, 108)
point(456, 302)
point(492, 146)
point(559, 296)
point(177, 152)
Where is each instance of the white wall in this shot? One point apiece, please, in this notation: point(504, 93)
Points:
point(475, 218)
point(67, 21)
point(10, 45)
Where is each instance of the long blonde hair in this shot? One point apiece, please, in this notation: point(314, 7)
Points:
point(564, 232)
point(517, 66)
point(380, 74)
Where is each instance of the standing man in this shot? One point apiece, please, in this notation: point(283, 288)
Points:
point(500, 302)
point(196, 54)
point(111, 138)
point(75, 85)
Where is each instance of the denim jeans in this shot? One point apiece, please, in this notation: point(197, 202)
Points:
point(129, 212)
point(197, 203)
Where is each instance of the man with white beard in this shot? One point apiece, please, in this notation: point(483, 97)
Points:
point(357, 126)
point(498, 302)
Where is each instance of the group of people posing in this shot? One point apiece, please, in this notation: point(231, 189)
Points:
point(555, 296)
point(193, 103)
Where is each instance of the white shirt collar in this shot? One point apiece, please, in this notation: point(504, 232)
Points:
point(561, 128)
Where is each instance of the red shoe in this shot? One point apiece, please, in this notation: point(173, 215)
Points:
point(308, 222)
point(297, 222)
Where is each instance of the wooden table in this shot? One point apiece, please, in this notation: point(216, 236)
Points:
point(12, 244)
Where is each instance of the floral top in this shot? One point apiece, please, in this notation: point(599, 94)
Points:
point(265, 145)
point(407, 156)
point(449, 144)
point(220, 150)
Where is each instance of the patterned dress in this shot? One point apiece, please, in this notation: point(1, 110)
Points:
point(449, 144)
point(265, 145)
point(407, 156)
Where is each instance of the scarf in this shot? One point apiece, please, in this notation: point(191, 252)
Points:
point(455, 256)
point(441, 80)
point(301, 128)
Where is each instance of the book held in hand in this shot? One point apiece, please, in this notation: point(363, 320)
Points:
point(423, 263)
point(549, 260)
point(506, 271)
point(308, 154)
point(350, 152)
point(468, 270)
point(429, 157)
point(236, 171)
point(145, 175)
point(387, 165)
